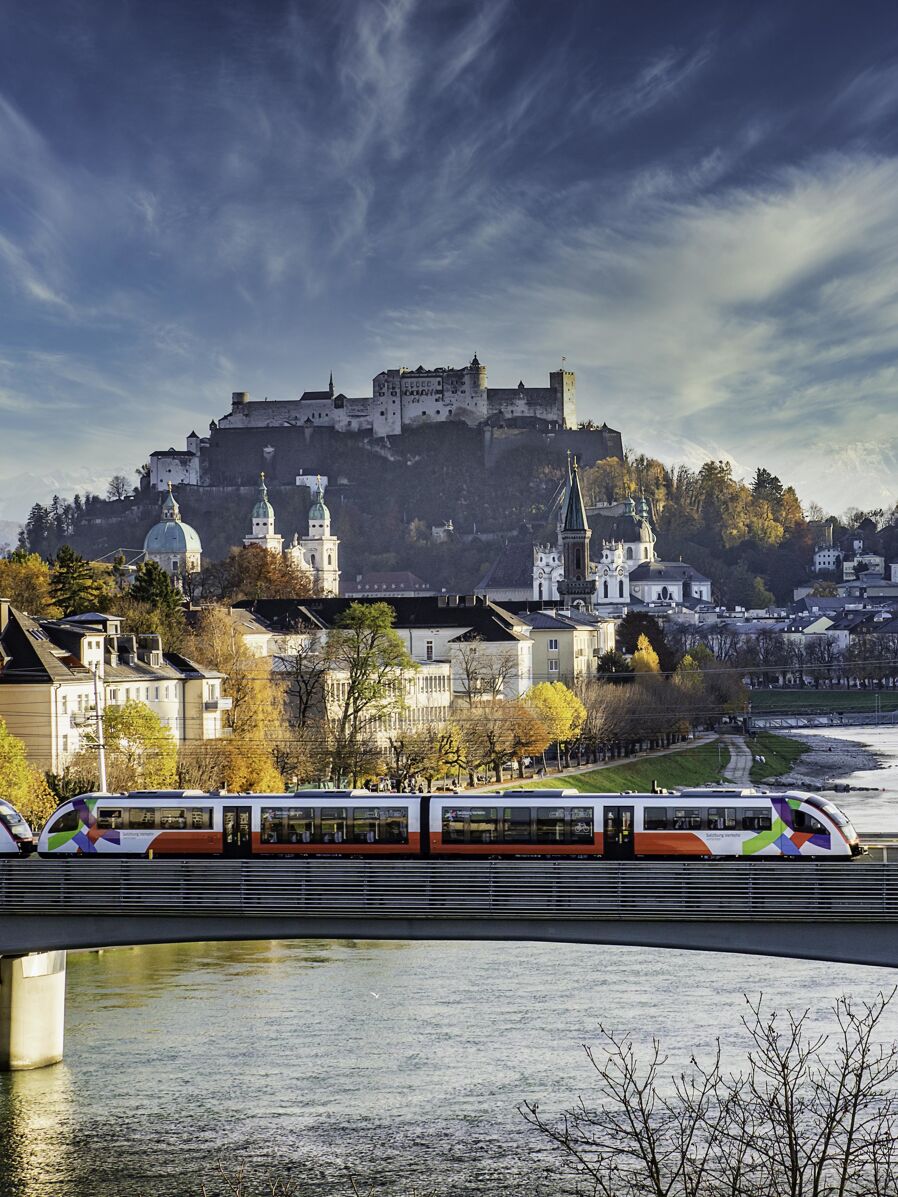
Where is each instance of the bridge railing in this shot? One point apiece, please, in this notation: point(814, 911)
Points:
point(795, 891)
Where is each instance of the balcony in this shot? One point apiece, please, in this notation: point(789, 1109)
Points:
point(83, 718)
point(218, 704)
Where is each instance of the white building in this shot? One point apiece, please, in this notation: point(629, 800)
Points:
point(56, 672)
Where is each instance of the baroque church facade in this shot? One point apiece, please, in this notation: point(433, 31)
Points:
point(627, 568)
point(317, 554)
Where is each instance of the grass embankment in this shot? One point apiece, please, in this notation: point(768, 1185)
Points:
point(779, 753)
point(812, 702)
point(690, 767)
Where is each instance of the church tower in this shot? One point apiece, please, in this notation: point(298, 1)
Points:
point(577, 586)
point(320, 549)
point(263, 532)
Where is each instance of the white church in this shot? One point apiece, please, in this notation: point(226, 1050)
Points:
point(627, 569)
point(317, 554)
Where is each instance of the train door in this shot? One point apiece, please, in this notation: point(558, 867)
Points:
point(618, 833)
point(236, 826)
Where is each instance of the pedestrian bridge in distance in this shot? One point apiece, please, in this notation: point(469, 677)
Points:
point(840, 911)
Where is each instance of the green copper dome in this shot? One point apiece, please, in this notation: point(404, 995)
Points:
point(263, 509)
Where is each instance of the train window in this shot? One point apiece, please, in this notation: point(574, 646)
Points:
point(333, 824)
point(721, 818)
point(271, 824)
point(199, 818)
point(802, 821)
point(365, 822)
point(654, 818)
point(550, 824)
point(472, 824)
point(108, 818)
point(394, 824)
point(67, 821)
point(581, 825)
point(755, 818)
point(300, 825)
point(455, 825)
point(484, 824)
point(142, 818)
point(688, 818)
point(8, 816)
point(173, 819)
point(516, 825)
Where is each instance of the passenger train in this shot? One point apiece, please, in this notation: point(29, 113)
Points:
point(524, 823)
point(16, 837)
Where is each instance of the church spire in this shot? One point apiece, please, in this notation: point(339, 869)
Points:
point(330, 388)
point(575, 510)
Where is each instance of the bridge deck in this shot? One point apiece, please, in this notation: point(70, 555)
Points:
point(755, 906)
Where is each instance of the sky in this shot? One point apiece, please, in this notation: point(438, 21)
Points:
point(695, 204)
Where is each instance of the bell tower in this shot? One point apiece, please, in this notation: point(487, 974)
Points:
point(576, 586)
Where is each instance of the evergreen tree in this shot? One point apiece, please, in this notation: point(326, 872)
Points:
point(153, 586)
point(73, 586)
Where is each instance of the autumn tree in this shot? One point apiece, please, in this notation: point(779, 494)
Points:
point(21, 783)
point(256, 716)
point(25, 581)
point(253, 572)
point(368, 660)
point(644, 659)
point(560, 711)
point(141, 752)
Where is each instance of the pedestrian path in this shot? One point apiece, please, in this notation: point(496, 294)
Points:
point(738, 771)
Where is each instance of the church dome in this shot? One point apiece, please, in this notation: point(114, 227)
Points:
point(171, 534)
point(263, 509)
point(318, 510)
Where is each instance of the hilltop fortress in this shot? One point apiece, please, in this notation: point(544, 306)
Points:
point(401, 401)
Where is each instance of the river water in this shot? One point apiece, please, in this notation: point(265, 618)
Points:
point(402, 1062)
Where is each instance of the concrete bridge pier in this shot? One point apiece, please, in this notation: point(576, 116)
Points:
point(32, 1010)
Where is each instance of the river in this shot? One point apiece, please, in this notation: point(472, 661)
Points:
point(403, 1062)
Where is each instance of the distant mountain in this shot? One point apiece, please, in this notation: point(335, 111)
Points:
point(19, 493)
point(9, 533)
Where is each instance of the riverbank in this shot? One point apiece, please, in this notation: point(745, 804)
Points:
point(826, 758)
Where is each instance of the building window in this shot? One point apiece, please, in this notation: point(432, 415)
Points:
point(553, 667)
point(65, 704)
point(65, 743)
point(428, 650)
point(553, 646)
point(605, 588)
point(620, 589)
point(157, 693)
point(629, 554)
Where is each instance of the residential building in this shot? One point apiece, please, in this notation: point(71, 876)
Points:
point(56, 674)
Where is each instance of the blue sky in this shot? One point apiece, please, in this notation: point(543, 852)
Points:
point(696, 204)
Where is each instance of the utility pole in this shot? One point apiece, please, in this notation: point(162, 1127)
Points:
point(101, 746)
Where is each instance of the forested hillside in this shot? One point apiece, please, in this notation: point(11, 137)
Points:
point(753, 539)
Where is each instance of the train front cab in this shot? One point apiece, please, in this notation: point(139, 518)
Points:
point(16, 837)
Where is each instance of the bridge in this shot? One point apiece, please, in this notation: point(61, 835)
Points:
point(840, 911)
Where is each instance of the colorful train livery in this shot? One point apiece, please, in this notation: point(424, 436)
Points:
point(682, 824)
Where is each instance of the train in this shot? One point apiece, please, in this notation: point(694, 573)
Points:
point(16, 836)
point(681, 824)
